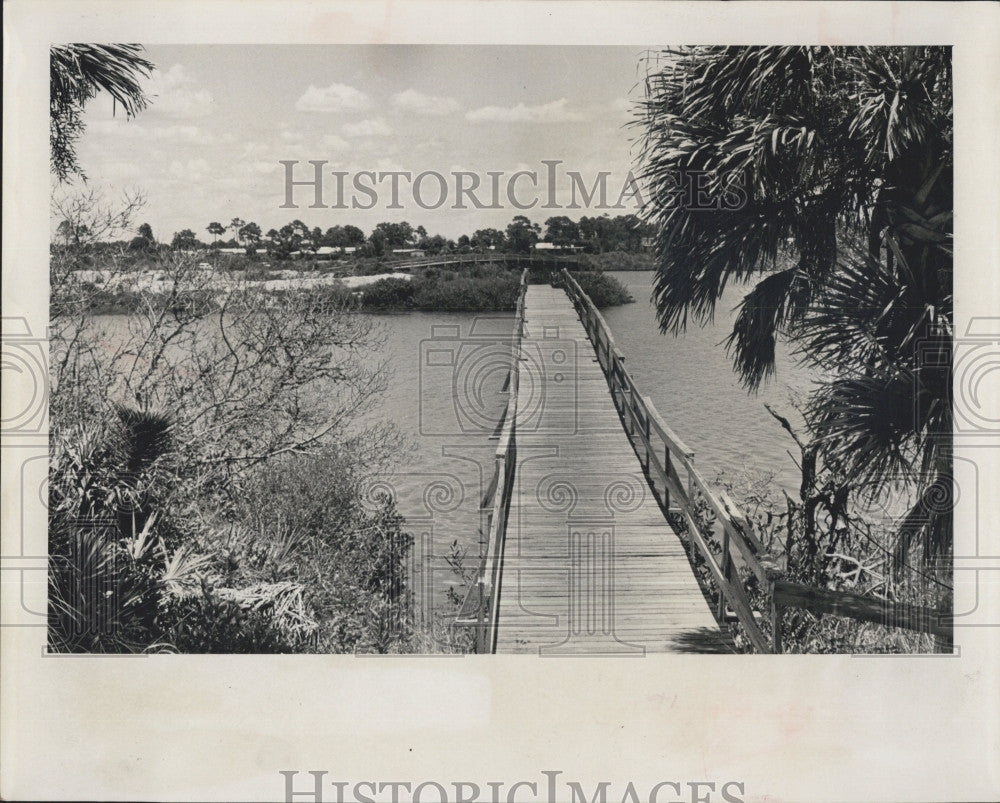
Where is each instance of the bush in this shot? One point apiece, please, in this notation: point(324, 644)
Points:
point(616, 260)
point(483, 289)
point(388, 294)
point(603, 290)
point(351, 559)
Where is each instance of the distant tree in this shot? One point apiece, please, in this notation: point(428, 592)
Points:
point(146, 231)
point(486, 239)
point(432, 245)
point(236, 224)
point(77, 72)
point(560, 230)
point(377, 243)
point(185, 240)
point(216, 229)
point(353, 236)
point(287, 239)
point(334, 237)
point(397, 235)
point(273, 238)
point(522, 234)
point(72, 233)
point(250, 234)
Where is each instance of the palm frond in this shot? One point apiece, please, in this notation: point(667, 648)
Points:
point(763, 314)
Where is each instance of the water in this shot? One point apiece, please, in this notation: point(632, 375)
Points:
point(689, 378)
point(691, 381)
point(447, 394)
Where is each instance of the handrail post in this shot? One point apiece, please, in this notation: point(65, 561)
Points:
point(726, 571)
point(646, 450)
point(666, 470)
point(776, 616)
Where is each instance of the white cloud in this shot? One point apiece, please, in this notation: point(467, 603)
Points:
point(415, 102)
point(130, 129)
point(174, 93)
point(263, 167)
point(335, 142)
point(255, 150)
point(557, 111)
point(334, 98)
point(193, 170)
point(376, 127)
point(119, 170)
point(389, 166)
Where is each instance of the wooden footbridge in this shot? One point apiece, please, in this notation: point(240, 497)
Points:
point(596, 516)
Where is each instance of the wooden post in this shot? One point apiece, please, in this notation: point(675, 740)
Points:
point(726, 572)
point(776, 613)
point(666, 470)
point(631, 412)
point(646, 449)
point(480, 626)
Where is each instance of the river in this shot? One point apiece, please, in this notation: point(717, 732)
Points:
point(445, 397)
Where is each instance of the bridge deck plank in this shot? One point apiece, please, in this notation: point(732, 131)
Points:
point(590, 565)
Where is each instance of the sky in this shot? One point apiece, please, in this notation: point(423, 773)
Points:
point(222, 117)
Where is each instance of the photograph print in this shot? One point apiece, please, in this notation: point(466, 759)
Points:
point(553, 350)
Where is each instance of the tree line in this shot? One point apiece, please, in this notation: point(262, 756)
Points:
point(595, 235)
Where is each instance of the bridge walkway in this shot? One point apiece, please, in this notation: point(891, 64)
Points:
point(589, 564)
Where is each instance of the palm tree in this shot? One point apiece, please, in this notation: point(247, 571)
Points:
point(829, 177)
point(215, 229)
point(236, 224)
point(77, 72)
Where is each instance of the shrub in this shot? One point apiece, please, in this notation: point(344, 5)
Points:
point(616, 260)
point(603, 290)
point(388, 294)
point(352, 560)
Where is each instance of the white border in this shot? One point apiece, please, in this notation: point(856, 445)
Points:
point(791, 729)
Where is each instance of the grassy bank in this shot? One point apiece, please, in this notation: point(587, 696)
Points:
point(616, 260)
point(478, 289)
point(486, 289)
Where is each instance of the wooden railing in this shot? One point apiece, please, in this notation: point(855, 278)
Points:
point(678, 487)
point(480, 609)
